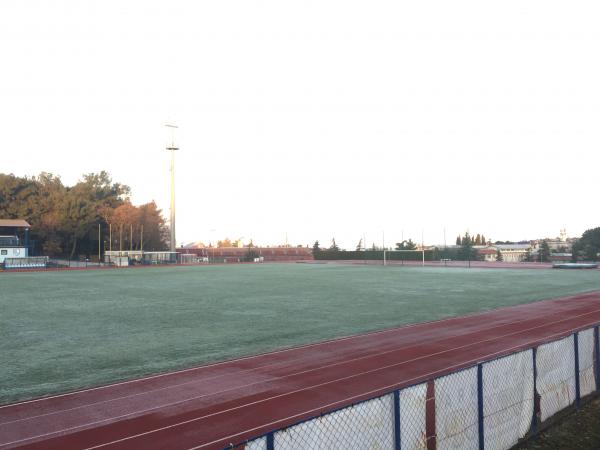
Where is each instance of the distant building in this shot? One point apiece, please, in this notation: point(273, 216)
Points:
point(509, 252)
point(488, 253)
point(513, 252)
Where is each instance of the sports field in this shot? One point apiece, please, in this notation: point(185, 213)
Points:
point(61, 331)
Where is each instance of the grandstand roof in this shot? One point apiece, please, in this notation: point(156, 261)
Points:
point(16, 223)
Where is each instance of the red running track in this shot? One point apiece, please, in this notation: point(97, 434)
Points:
point(213, 406)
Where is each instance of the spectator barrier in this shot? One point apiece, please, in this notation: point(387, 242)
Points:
point(491, 405)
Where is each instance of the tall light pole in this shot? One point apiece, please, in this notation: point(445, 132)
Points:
point(171, 147)
point(383, 244)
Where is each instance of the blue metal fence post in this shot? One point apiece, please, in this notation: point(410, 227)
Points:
point(480, 405)
point(270, 442)
point(536, 407)
point(597, 356)
point(397, 441)
point(577, 381)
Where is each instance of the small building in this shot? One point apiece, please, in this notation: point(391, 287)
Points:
point(14, 239)
point(513, 252)
point(488, 253)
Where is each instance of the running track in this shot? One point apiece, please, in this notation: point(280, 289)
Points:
point(212, 406)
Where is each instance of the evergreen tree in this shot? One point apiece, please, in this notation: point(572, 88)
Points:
point(334, 246)
point(467, 252)
point(544, 251)
point(499, 256)
point(316, 249)
point(359, 246)
point(458, 240)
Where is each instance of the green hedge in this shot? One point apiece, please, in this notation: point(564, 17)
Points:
point(396, 255)
point(455, 254)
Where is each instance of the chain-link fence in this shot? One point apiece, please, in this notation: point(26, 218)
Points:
point(491, 405)
point(508, 399)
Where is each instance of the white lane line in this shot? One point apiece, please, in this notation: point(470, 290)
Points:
point(522, 306)
point(533, 305)
point(348, 400)
point(339, 402)
point(282, 363)
point(63, 431)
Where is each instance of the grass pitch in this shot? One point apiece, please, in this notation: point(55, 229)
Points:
point(61, 331)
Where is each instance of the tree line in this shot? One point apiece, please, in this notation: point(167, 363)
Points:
point(64, 219)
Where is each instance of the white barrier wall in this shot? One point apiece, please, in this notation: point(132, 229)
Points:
point(412, 417)
point(587, 381)
point(507, 400)
point(257, 444)
point(456, 418)
point(508, 405)
point(368, 425)
point(556, 376)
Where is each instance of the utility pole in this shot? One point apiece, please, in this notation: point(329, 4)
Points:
point(110, 242)
point(383, 244)
point(99, 239)
point(423, 245)
point(171, 147)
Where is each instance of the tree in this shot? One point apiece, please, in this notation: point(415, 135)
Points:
point(544, 251)
point(359, 246)
point(250, 255)
point(458, 240)
point(406, 245)
point(499, 256)
point(334, 247)
point(467, 252)
point(483, 241)
point(155, 231)
point(316, 249)
point(224, 243)
point(478, 239)
point(588, 246)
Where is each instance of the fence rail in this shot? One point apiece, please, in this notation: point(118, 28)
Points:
point(491, 405)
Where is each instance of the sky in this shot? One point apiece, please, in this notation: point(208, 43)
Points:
point(316, 119)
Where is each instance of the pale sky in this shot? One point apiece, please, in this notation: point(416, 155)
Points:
point(316, 118)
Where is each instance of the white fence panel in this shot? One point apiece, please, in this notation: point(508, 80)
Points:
point(368, 425)
point(412, 417)
point(456, 411)
point(507, 399)
point(556, 376)
point(257, 444)
point(587, 382)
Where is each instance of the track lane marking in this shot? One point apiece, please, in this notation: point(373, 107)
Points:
point(282, 363)
point(533, 304)
point(63, 431)
point(339, 402)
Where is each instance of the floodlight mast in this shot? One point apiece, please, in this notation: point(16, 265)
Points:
point(172, 148)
